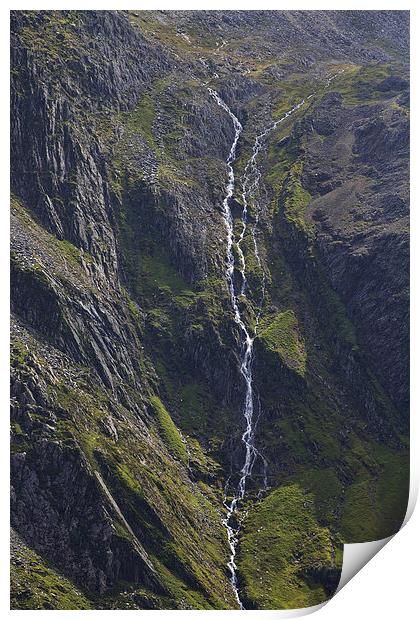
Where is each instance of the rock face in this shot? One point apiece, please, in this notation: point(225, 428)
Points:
point(127, 395)
point(360, 208)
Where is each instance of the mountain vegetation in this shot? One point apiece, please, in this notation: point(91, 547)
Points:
point(127, 380)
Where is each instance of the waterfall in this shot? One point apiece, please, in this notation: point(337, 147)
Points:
point(246, 352)
point(249, 191)
point(250, 187)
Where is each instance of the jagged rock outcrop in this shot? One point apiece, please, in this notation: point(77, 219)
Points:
point(358, 179)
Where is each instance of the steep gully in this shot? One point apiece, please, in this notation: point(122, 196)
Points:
point(249, 191)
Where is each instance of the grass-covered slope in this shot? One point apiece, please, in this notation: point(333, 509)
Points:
point(127, 460)
point(287, 559)
point(35, 585)
point(345, 447)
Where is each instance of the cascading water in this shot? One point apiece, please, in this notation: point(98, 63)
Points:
point(250, 183)
point(246, 352)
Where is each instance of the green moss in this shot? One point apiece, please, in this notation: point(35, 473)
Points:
point(161, 505)
point(19, 353)
point(63, 249)
point(35, 585)
point(201, 43)
point(69, 250)
point(52, 36)
point(193, 406)
point(160, 320)
point(308, 432)
point(132, 306)
point(376, 502)
point(128, 597)
point(392, 488)
point(173, 106)
point(296, 199)
point(169, 173)
point(191, 400)
point(281, 161)
point(326, 488)
point(169, 432)
point(153, 278)
point(17, 429)
point(296, 88)
point(280, 334)
point(204, 467)
point(162, 508)
point(359, 84)
point(181, 594)
point(339, 323)
point(141, 120)
point(370, 503)
point(156, 271)
point(285, 557)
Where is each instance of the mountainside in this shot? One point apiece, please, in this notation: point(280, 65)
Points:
point(209, 226)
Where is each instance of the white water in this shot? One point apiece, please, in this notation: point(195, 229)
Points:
point(246, 353)
point(250, 186)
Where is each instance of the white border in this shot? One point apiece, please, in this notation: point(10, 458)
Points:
point(397, 565)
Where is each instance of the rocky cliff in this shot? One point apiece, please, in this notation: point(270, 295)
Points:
point(127, 393)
